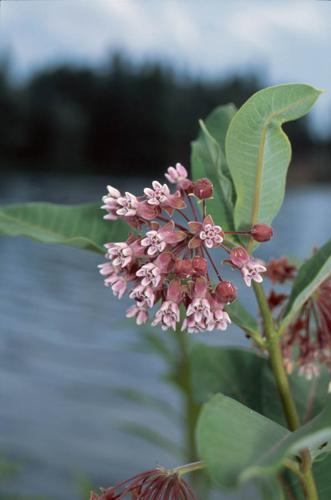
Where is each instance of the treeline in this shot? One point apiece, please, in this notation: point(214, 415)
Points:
point(120, 119)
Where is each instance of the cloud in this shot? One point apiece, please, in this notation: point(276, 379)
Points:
point(290, 40)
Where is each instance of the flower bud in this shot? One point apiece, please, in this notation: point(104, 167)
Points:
point(200, 265)
point(203, 189)
point(225, 292)
point(261, 232)
point(239, 257)
point(183, 268)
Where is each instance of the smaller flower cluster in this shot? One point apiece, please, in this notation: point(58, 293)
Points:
point(307, 342)
point(166, 262)
point(156, 483)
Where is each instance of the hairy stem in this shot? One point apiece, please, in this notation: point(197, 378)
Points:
point(283, 386)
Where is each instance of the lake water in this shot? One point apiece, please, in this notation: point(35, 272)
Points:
point(63, 348)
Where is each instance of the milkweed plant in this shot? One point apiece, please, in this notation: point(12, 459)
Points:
point(259, 415)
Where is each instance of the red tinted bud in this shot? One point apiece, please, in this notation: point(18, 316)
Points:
point(239, 257)
point(261, 232)
point(226, 292)
point(203, 189)
point(183, 268)
point(200, 265)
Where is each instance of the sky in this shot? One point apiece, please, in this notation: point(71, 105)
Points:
point(285, 41)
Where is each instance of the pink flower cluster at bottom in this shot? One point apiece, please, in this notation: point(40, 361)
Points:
point(306, 344)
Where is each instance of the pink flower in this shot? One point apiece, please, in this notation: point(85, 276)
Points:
point(177, 174)
point(192, 326)
point(239, 257)
point(107, 269)
point(252, 271)
point(219, 320)
point(207, 232)
point(118, 285)
point(159, 194)
point(144, 296)
point(110, 201)
point(150, 274)
point(281, 270)
point(139, 312)
point(153, 242)
point(147, 211)
point(211, 235)
point(127, 205)
point(200, 309)
point(167, 315)
point(156, 240)
point(309, 370)
point(119, 253)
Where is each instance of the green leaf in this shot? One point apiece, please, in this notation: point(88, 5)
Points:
point(232, 371)
point(258, 151)
point(79, 226)
point(321, 471)
point(309, 395)
point(311, 275)
point(237, 444)
point(247, 377)
point(270, 488)
point(241, 317)
point(208, 160)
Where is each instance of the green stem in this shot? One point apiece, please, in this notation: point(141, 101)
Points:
point(276, 359)
point(283, 386)
point(191, 408)
point(192, 467)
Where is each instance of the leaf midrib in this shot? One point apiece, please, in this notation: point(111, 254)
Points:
point(260, 164)
point(64, 238)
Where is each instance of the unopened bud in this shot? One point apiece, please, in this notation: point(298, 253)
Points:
point(183, 268)
point(200, 265)
point(239, 257)
point(203, 189)
point(261, 232)
point(226, 292)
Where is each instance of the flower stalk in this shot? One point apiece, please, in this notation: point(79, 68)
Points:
point(283, 386)
point(192, 467)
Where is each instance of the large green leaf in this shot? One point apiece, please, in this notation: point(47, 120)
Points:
point(258, 151)
point(80, 226)
point(309, 395)
point(208, 160)
point(237, 444)
point(310, 276)
point(246, 376)
point(232, 371)
point(241, 317)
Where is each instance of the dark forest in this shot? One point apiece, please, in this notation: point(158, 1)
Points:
point(124, 118)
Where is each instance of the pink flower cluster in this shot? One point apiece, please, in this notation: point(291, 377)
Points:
point(164, 263)
point(307, 342)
